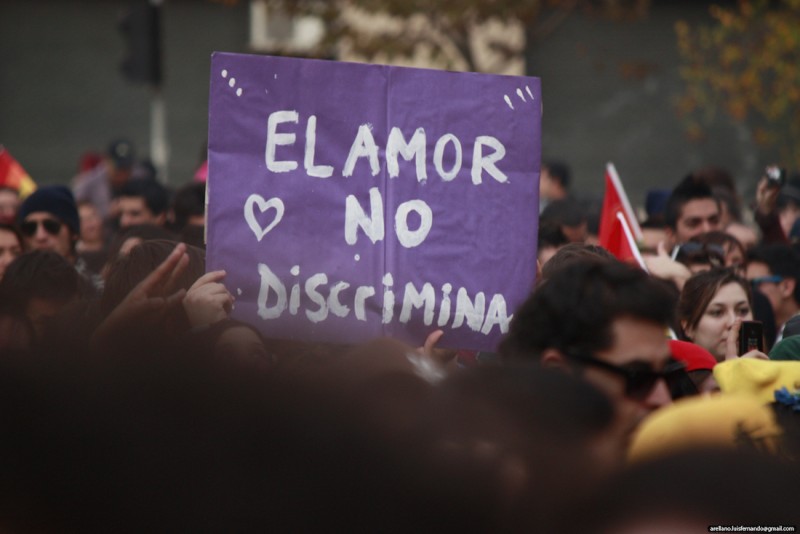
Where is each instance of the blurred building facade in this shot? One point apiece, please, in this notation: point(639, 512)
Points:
point(608, 88)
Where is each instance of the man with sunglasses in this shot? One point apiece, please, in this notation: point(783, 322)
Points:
point(606, 322)
point(49, 220)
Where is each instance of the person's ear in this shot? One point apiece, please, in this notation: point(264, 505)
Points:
point(787, 286)
point(554, 359)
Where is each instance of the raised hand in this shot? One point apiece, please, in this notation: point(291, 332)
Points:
point(732, 345)
point(208, 301)
point(148, 302)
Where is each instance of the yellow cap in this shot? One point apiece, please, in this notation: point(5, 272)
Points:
point(705, 421)
point(759, 378)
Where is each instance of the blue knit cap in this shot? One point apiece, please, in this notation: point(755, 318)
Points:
point(56, 200)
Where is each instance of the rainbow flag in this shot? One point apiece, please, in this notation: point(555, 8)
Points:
point(14, 176)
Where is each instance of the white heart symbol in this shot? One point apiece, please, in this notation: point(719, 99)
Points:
point(263, 205)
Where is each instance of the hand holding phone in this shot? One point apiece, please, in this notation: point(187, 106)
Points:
point(751, 337)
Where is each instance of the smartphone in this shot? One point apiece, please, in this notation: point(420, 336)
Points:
point(751, 337)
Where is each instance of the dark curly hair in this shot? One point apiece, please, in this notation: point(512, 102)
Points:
point(576, 307)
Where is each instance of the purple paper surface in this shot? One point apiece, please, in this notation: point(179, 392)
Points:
point(301, 151)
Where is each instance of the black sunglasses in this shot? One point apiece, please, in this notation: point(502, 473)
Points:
point(51, 226)
point(640, 378)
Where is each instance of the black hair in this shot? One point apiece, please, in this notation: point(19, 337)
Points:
point(789, 194)
point(9, 227)
point(723, 239)
point(690, 188)
point(782, 260)
point(564, 212)
point(572, 253)
point(559, 171)
point(575, 308)
point(39, 274)
point(189, 201)
point(145, 232)
point(550, 235)
point(126, 272)
point(155, 195)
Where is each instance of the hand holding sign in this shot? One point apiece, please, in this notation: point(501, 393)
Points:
point(208, 301)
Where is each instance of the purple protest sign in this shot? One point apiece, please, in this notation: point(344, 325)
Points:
point(350, 201)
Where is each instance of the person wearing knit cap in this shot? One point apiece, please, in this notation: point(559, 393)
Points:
point(49, 221)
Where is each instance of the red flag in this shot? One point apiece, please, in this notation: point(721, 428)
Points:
point(621, 242)
point(14, 176)
point(619, 229)
point(616, 200)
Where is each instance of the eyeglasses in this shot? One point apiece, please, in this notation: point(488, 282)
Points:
point(640, 378)
point(771, 279)
point(51, 226)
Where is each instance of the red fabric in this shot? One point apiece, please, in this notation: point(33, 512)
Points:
point(695, 356)
point(13, 175)
point(612, 236)
point(615, 241)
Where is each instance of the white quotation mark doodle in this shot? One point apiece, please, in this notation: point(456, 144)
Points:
point(231, 82)
point(263, 205)
point(520, 95)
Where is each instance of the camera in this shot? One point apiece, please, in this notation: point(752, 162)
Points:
point(775, 175)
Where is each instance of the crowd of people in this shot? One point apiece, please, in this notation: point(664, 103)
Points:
point(621, 399)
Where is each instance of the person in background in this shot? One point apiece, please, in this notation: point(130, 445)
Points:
point(699, 364)
point(655, 204)
point(711, 307)
point(774, 271)
point(734, 251)
point(551, 239)
point(38, 284)
point(9, 203)
point(554, 182)
point(10, 245)
point(142, 202)
point(129, 238)
point(186, 215)
point(605, 322)
point(691, 210)
point(723, 187)
point(161, 286)
point(49, 220)
point(569, 216)
point(777, 205)
point(735, 258)
point(573, 253)
point(698, 257)
point(92, 244)
point(101, 183)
